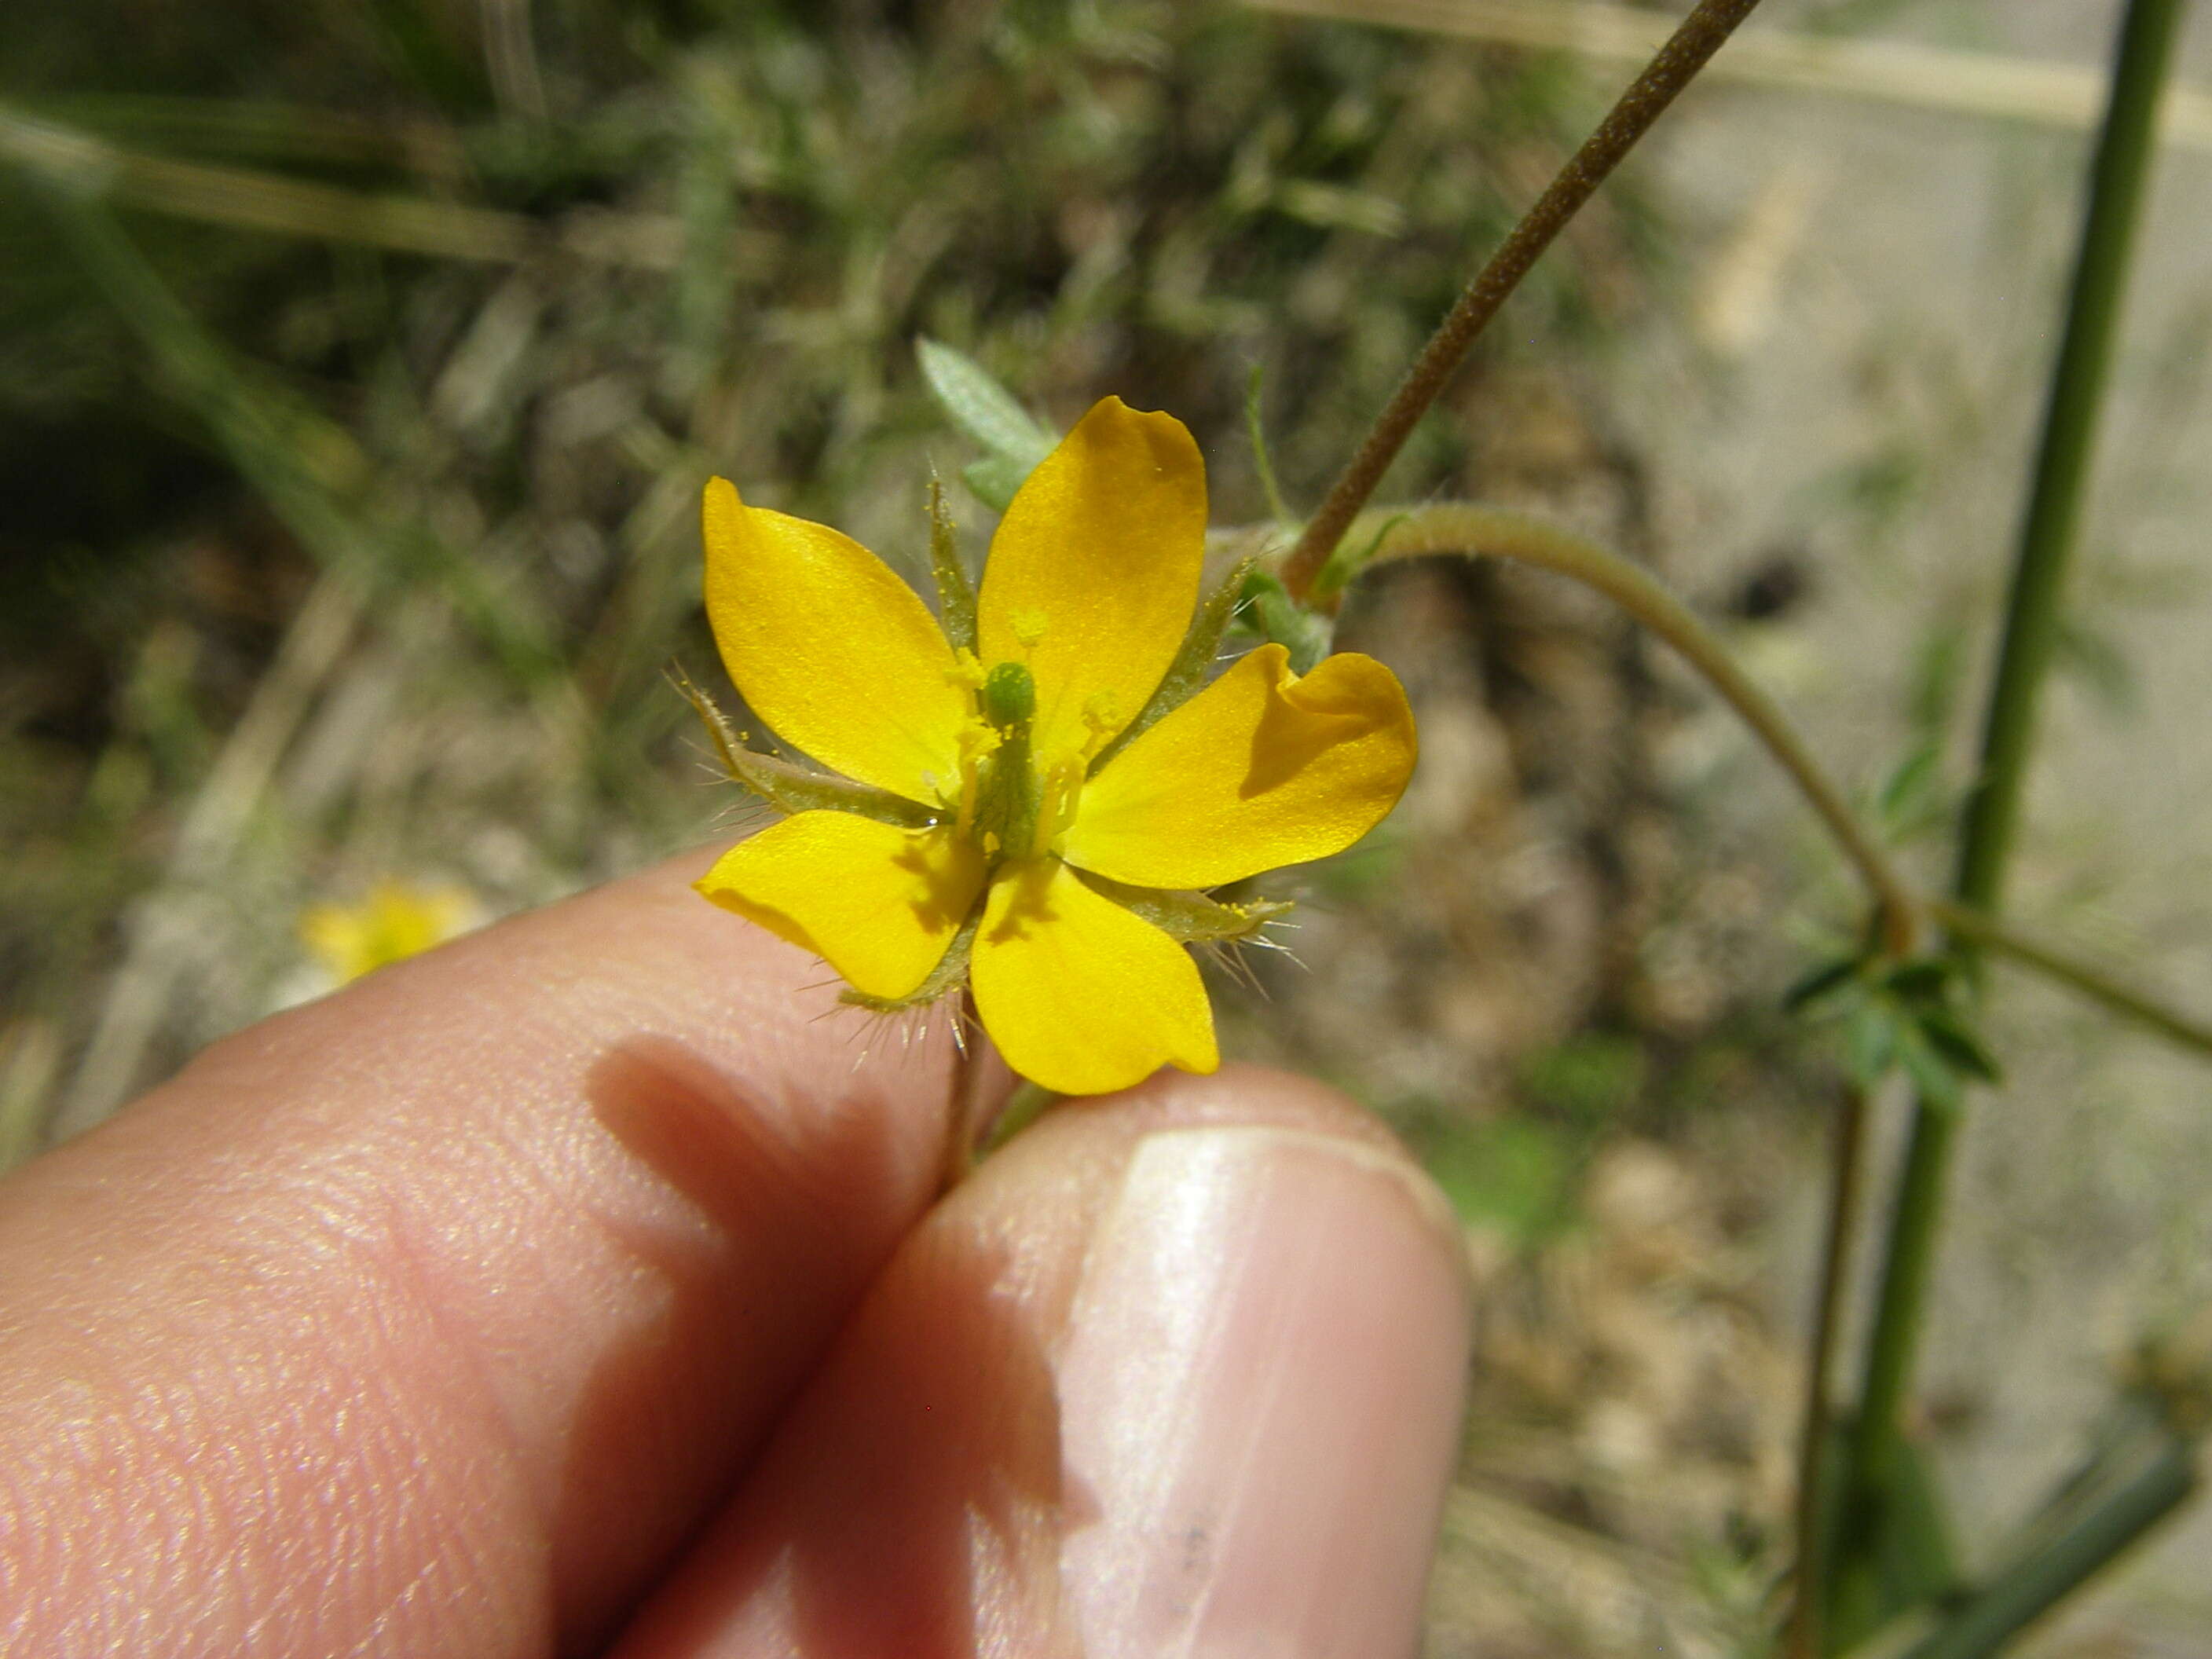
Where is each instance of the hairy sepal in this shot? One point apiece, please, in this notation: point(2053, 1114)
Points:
point(1186, 675)
point(791, 788)
point(948, 976)
point(1190, 918)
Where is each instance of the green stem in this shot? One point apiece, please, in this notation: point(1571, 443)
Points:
point(2116, 192)
point(1803, 1636)
point(1686, 52)
point(1465, 527)
point(1876, 1429)
point(2053, 514)
point(2032, 1585)
point(2001, 938)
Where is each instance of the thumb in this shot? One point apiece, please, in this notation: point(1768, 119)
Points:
point(1179, 1372)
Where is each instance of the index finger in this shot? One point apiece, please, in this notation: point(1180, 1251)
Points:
point(429, 1317)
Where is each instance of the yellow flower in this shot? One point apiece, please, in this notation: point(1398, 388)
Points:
point(1021, 833)
point(398, 919)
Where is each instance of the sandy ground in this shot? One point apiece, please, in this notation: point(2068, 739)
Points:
point(1877, 291)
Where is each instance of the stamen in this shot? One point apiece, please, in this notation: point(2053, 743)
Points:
point(1102, 719)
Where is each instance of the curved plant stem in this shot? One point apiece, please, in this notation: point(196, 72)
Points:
point(1802, 1638)
point(2002, 938)
point(2031, 632)
point(1677, 63)
point(1465, 527)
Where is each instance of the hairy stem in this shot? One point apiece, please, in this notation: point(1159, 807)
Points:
point(2031, 632)
point(1647, 98)
point(1465, 527)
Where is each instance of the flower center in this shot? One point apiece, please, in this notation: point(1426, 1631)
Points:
point(1011, 803)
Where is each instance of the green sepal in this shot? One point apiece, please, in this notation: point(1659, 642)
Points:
point(1342, 566)
point(1186, 675)
point(955, 594)
point(1189, 918)
point(791, 788)
point(951, 971)
point(1268, 609)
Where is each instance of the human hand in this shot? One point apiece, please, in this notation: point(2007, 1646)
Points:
point(579, 1286)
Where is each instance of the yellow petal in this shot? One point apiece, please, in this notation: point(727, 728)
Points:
point(1261, 769)
point(837, 654)
point(1093, 574)
point(1080, 995)
point(877, 902)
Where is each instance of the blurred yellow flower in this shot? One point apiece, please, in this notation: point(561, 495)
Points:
point(397, 919)
point(1021, 839)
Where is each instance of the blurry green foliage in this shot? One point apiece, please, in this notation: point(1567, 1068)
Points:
point(677, 237)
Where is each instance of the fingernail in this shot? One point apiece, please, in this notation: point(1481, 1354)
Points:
point(1260, 1398)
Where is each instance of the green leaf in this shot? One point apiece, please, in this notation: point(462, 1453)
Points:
point(995, 480)
point(1889, 1549)
point(1870, 1041)
point(1823, 979)
point(1262, 461)
point(2099, 665)
point(982, 407)
point(1960, 1045)
point(1925, 979)
point(1908, 786)
point(1931, 1074)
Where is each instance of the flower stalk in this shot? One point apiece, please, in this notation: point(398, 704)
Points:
point(1647, 98)
point(1467, 527)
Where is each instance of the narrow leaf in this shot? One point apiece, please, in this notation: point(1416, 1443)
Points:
point(995, 479)
point(1870, 1041)
point(1931, 1074)
point(1187, 674)
point(1822, 981)
point(1925, 979)
point(981, 407)
point(1959, 1044)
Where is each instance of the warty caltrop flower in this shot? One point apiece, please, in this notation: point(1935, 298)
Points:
point(1035, 793)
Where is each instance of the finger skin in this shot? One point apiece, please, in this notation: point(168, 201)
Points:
point(428, 1318)
point(1107, 1400)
